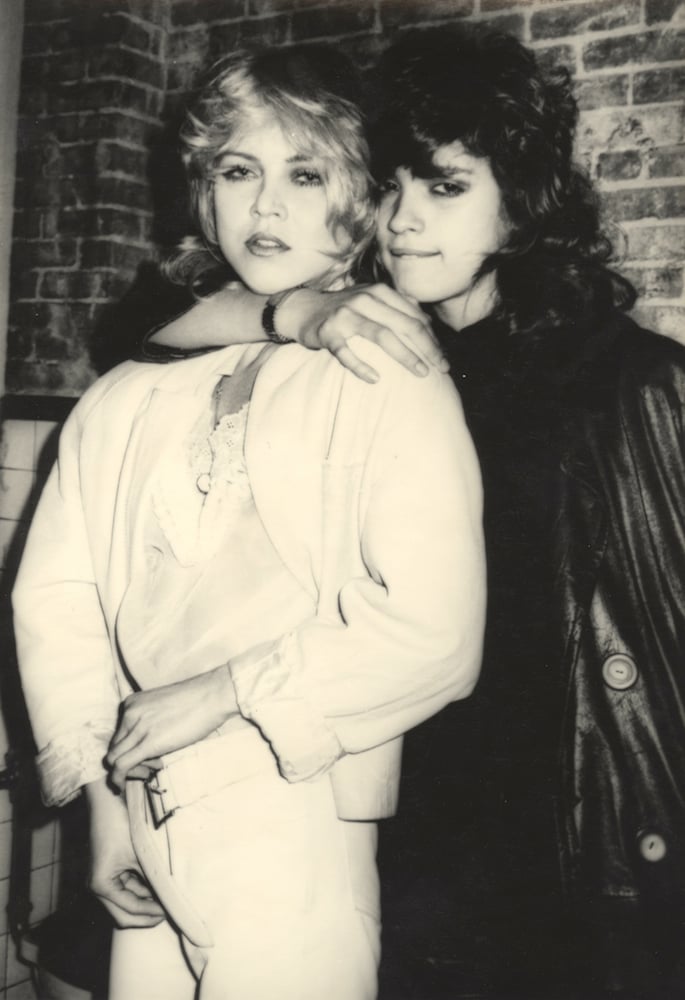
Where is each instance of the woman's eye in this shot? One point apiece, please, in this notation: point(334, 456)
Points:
point(386, 186)
point(308, 178)
point(236, 172)
point(447, 189)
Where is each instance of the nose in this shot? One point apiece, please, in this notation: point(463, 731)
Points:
point(405, 215)
point(268, 200)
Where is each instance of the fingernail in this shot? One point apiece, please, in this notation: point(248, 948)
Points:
point(420, 368)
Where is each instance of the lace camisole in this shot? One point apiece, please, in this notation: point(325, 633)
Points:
point(211, 584)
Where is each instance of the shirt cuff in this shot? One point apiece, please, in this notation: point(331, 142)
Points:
point(271, 693)
point(72, 760)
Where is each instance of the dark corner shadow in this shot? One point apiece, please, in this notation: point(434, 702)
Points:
point(151, 300)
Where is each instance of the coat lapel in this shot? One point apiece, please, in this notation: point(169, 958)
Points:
point(288, 428)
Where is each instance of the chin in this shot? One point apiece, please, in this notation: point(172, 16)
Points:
point(265, 287)
point(420, 290)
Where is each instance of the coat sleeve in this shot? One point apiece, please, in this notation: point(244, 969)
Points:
point(65, 658)
point(408, 636)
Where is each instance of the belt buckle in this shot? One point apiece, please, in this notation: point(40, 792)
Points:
point(161, 810)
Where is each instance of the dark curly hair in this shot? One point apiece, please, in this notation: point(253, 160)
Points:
point(487, 91)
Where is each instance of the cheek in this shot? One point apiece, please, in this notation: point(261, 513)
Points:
point(383, 215)
point(486, 233)
point(229, 206)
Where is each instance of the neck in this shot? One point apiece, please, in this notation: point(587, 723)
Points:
point(472, 306)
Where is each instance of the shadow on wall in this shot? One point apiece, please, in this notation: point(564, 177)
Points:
point(151, 300)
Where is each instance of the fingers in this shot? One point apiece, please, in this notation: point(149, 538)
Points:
point(123, 766)
point(126, 734)
point(419, 331)
point(336, 340)
point(396, 348)
point(136, 763)
point(126, 750)
point(145, 769)
point(348, 359)
point(129, 901)
point(132, 883)
point(396, 325)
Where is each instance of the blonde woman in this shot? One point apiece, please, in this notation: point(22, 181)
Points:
point(249, 574)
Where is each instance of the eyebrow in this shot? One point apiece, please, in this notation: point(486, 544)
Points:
point(295, 158)
point(451, 171)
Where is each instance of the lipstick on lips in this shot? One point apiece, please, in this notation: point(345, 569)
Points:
point(265, 245)
point(408, 252)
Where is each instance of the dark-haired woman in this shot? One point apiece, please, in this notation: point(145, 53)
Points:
point(566, 771)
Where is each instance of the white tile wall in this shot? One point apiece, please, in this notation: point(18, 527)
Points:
point(22, 991)
point(15, 490)
point(21, 443)
point(17, 444)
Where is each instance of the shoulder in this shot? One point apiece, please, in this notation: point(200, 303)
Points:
point(320, 377)
point(101, 389)
point(650, 368)
point(625, 363)
point(647, 353)
point(629, 408)
point(399, 388)
point(125, 386)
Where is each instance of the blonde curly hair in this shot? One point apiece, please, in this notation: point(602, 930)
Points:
point(310, 91)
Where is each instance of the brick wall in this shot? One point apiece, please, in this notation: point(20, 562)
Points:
point(98, 75)
point(96, 194)
point(92, 92)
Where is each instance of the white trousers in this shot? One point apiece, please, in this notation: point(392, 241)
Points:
point(270, 896)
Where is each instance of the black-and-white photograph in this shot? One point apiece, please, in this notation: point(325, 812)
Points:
point(342, 500)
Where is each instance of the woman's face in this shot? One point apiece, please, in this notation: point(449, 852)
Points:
point(435, 232)
point(270, 209)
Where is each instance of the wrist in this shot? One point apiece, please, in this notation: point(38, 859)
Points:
point(297, 315)
point(271, 310)
point(223, 692)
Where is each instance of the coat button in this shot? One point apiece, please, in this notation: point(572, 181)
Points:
point(652, 846)
point(203, 482)
point(619, 672)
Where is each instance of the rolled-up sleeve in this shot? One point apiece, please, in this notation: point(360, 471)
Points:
point(63, 646)
point(407, 637)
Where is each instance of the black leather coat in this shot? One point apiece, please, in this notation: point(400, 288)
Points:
point(582, 697)
point(619, 592)
point(569, 758)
